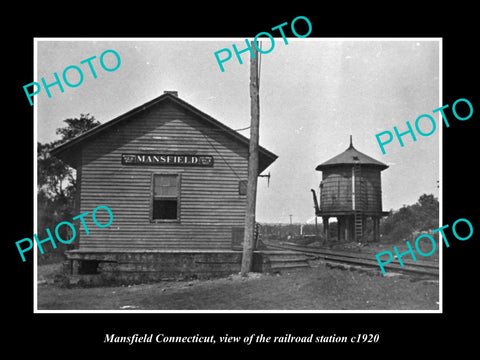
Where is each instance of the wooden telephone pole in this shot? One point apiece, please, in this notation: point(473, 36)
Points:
point(248, 242)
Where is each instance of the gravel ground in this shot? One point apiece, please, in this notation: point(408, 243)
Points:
point(322, 287)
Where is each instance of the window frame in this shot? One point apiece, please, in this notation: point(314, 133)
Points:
point(152, 196)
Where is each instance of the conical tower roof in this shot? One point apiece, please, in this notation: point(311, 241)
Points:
point(351, 156)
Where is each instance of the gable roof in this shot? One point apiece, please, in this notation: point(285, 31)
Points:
point(351, 156)
point(67, 151)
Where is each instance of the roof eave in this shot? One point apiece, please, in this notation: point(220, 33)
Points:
point(322, 167)
point(64, 151)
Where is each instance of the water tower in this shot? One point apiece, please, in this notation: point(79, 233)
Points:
point(351, 191)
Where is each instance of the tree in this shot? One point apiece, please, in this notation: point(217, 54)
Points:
point(76, 126)
point(55, 178)
point(56, 184)
point(409, 220)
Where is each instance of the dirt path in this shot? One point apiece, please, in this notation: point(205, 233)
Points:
point(318, 288)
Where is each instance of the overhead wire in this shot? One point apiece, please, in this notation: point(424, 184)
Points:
point(245, 128)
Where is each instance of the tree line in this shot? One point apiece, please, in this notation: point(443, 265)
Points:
point(56, 185)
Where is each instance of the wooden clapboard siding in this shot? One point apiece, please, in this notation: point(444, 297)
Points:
point(210, 205)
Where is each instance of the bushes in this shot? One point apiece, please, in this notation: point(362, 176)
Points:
point(409, 221)
point(57, 187)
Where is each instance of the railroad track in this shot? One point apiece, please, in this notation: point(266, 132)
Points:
point(419, 267)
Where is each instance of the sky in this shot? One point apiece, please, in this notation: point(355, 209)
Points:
point(314, 94)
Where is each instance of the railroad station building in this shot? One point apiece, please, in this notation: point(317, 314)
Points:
point(175, 181)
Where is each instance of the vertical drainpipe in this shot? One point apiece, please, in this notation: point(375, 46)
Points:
point(353, 187)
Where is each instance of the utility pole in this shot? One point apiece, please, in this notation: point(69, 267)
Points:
point(248, 242)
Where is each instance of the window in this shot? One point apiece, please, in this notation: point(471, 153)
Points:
point(166, 197)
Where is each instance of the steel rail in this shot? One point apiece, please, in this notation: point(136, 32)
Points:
point(421, 267)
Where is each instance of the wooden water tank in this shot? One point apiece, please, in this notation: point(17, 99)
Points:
point(351, 191)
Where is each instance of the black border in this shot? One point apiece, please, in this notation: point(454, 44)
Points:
point(63, 335)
